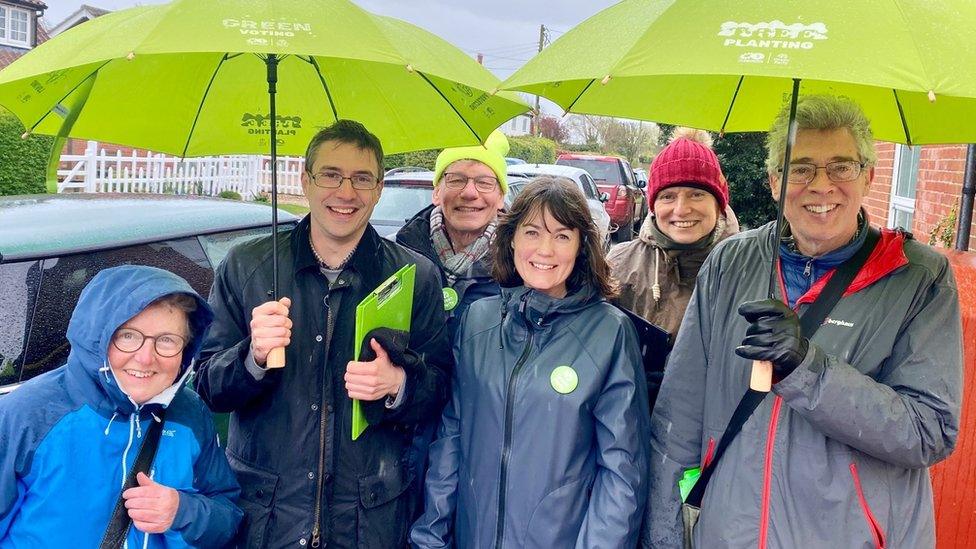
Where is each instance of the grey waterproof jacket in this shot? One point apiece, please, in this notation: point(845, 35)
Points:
point(544, 442)
point(837, 454)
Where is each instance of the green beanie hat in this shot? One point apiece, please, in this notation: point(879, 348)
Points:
point(491, 154)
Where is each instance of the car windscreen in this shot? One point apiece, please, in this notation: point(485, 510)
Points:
point(398, 203)
point(59, 285)
point(602, 171)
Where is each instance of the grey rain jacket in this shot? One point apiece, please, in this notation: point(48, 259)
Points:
point(290, 434)
point(518, 464)
point(837, 454)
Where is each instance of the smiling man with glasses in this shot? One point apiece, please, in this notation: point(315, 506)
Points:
point(456, 231)
point(305, 481)
point(861, 405)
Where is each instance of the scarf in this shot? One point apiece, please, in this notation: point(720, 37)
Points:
point(457, 263)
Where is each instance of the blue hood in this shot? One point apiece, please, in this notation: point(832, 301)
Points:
point(111, 298)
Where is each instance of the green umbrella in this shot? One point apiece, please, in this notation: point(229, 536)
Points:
point(195, 78)
point(189, 79)
point(729, 65)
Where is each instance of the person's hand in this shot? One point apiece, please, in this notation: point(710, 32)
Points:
point(151, 506)
point(773, 335)
point(375, 379)
point(270, 328)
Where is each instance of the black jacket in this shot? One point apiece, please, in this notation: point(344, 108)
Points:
point(290, 438)
point(470, 286)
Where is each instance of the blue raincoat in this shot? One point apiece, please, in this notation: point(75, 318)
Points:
point(69, 437)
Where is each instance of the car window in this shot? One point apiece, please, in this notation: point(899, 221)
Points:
point(401, 202)
point(216, 246)
point(20, 282)
point(588, 181)
point(598, 169)
point(586, 185)
point(64, 277)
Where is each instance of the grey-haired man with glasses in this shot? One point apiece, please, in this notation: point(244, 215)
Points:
point(838, 454)
point(305, 482)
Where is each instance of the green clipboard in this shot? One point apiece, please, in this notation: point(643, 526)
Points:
point(390, 305)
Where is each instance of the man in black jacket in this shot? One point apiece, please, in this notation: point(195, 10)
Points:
point(304, 480)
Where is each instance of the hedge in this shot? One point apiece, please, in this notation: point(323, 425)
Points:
point(23, 162)
point(534, 150)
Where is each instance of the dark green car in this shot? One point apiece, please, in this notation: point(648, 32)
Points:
point(52, 245)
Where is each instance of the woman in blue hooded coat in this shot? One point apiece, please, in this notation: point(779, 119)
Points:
point(70, 436)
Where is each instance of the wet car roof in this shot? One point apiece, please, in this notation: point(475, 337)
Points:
point(33, 226)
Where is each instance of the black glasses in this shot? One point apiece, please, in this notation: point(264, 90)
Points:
point(458, 181)
point(841, 171)
point(333, 180)
point(130, 340)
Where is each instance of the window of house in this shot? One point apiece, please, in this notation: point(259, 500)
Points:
point(14, 26)
point(902, 209)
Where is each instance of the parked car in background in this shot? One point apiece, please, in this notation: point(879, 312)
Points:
point(627, 204)
point(640, 176)
point(405, 192)
point(595, 199)
point(511, 161)
point(52, 245)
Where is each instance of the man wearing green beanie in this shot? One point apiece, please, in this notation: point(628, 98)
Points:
point(455, 232)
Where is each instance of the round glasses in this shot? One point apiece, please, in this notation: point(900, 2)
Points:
point(130, 340)
point(841, 171)
point(458, 181)
point(333, 180)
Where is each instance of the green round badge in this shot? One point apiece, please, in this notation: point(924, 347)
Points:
point(450, 298)
point(564, 379)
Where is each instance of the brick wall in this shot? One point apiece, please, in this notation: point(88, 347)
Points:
point(941, 170)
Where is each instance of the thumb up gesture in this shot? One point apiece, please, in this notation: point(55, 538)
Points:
point(151, 506)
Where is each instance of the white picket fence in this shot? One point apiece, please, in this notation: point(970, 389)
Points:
point(95, 171)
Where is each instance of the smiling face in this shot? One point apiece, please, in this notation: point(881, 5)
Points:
point(467, 211)
point(823, 214)
point(685, 214)
point(339, 216)
point(143, 374)
point(545, 253)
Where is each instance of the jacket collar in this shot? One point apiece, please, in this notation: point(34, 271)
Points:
point(366, 260)
point(536, 308)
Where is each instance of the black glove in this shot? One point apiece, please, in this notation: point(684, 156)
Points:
point(394, 342)
point(773, 335)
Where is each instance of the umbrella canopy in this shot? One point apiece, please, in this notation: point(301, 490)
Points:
point(189, 79)
point(729, 65)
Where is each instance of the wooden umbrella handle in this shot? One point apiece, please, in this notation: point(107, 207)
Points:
point(276, 359)
point(762, 376)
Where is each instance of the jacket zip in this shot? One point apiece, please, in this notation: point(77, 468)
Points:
point(808, 268)
point(876, 532)
point(507, 446)
point(323, 415)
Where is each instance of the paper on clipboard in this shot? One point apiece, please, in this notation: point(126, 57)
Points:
point(390, 305)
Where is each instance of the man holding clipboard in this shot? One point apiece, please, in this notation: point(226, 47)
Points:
point(304, 479)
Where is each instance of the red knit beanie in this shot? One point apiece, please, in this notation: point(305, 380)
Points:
point(687, 162)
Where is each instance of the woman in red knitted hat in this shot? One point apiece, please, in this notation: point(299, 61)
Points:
point(689, 198)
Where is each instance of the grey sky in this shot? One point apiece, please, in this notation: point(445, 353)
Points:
point(505, 31)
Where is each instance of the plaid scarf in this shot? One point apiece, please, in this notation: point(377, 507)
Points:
point(457, 263)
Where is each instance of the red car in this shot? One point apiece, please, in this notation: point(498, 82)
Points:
point(613, 175)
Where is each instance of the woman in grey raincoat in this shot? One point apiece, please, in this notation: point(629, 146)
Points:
point(544, 441)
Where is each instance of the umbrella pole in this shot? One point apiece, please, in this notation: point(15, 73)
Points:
point(276, 358)
point(762, 370)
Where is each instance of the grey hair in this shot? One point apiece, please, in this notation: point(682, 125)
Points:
point(820, 112)
point(185, 303)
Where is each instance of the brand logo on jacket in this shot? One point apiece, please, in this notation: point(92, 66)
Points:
point(835, 322)
point(169, 432)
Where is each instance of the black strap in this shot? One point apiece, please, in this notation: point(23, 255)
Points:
point(810, 322)
point(118, 525)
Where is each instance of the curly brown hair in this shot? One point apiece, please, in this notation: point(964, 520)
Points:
point(565, 202)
